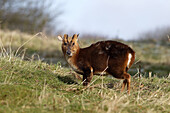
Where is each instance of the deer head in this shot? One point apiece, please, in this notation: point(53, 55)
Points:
point(70, 45)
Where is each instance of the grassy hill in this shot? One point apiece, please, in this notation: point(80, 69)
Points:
point(30, 84)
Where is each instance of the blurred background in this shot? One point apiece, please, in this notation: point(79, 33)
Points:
point(143, 25)
point(111, 18)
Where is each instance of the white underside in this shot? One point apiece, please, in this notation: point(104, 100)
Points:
point(129, 59)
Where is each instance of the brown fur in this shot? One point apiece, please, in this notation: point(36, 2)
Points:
point(108, 56)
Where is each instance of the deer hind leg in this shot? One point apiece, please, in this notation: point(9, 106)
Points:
point(124, 84)
point(126, 81)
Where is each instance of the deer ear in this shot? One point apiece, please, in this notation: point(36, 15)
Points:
point(60, 38)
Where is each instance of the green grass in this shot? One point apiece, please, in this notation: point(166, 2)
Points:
point(39, 87)
point(33, 85)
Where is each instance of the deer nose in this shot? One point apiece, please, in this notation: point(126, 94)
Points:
point(68, 52)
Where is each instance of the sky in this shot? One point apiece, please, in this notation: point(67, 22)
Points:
point(126, 19)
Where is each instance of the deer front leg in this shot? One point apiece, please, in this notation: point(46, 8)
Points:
point(87, 76)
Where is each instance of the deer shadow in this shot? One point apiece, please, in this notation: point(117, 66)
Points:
point(67, 79)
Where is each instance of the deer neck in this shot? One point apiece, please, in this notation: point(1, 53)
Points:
point(73, 59)
point(73, 62)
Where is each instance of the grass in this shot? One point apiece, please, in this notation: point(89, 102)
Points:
point(37, 86)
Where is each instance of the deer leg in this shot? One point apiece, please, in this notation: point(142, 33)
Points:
point(128, 85)
point(87, 79)
point(126, 81)
point(124, 84)
point(87, 76)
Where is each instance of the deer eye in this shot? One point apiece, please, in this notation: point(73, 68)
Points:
point(65, 43)
point(73, 43)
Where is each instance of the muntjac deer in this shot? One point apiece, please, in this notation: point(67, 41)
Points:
point(108, 57)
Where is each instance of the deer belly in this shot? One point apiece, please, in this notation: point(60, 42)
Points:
point(100, 67)
point(100, 73)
